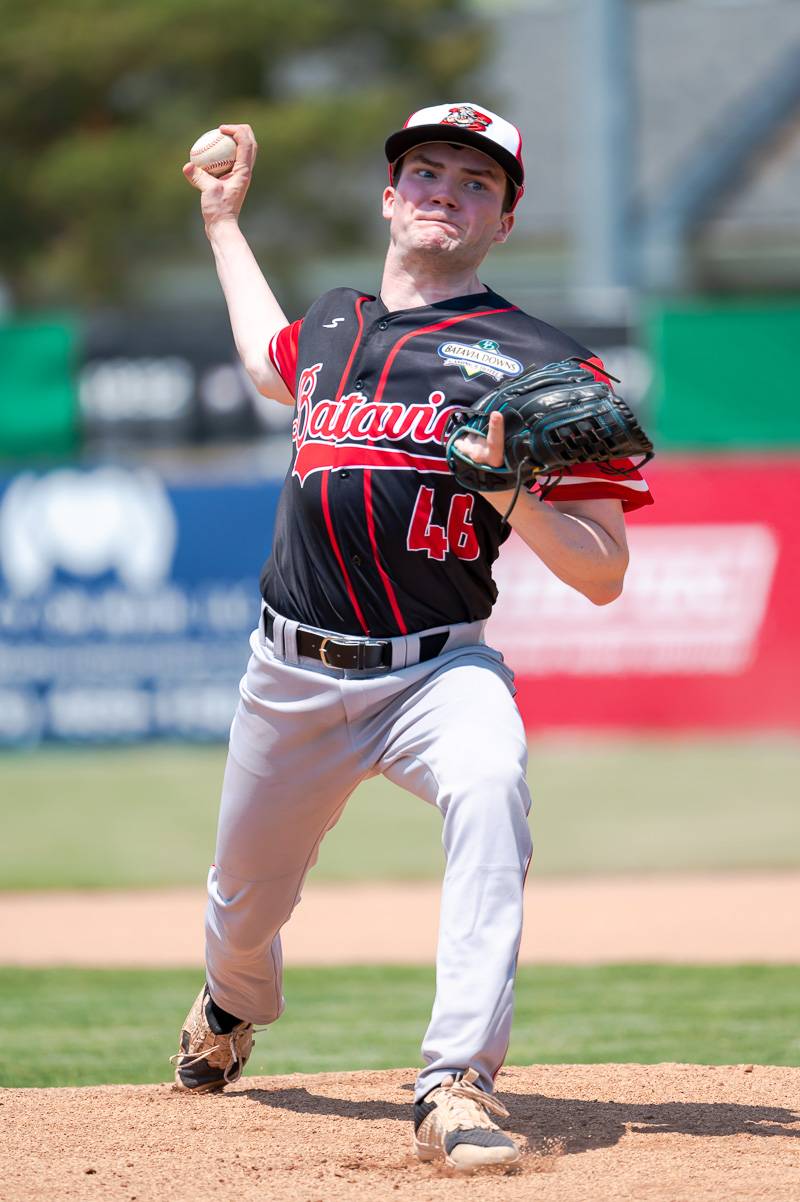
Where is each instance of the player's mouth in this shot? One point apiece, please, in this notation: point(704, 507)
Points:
point(444, 221)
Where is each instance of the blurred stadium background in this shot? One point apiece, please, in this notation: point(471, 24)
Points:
point(139, 471)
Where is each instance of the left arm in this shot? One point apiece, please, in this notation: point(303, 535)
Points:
point(581, 542)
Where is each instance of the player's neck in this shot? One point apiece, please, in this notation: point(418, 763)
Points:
point(411, 283)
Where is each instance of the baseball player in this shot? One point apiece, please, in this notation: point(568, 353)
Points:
point(369, 656)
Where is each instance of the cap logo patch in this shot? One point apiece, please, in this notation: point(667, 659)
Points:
point(467, 117)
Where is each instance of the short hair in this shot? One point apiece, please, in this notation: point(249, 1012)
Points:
point(509, 196)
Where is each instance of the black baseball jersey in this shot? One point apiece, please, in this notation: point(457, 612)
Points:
point(373, 534)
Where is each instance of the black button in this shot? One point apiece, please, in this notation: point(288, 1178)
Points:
point(359, 384)
point(384, 325)
point(343, 475)
point(356, 560)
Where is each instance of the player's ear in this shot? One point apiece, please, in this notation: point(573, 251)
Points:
point(388, 201)
point(505, 227)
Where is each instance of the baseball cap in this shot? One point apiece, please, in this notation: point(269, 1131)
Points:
point(468, 124)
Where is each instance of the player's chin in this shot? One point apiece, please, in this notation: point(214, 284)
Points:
point(433, 236)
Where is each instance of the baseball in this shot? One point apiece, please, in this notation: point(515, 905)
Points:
point(215, 152)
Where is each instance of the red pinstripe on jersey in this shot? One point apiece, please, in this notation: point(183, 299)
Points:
point(385, 581)
point(326, 509)
point(437, 325)
point(387, 367)
point(356, 340)
point(351, 592)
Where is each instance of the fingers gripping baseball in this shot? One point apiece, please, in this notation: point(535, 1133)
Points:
point(222, 197)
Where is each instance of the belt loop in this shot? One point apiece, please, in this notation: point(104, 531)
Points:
point(399, 653)
point(278, 624)
point(290, 653)
point(412, 649)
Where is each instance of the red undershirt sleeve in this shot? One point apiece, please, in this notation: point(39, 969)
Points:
point(592, 481)
point(282, 353)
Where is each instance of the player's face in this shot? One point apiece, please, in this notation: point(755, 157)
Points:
point(449, 202)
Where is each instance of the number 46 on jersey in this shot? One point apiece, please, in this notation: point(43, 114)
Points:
point(458, 536)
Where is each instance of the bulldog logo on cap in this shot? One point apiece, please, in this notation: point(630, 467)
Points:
point(467, 117)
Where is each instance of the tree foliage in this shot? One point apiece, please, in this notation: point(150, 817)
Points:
point(99, 103)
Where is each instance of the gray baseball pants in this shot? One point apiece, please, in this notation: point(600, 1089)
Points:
point(303, 737)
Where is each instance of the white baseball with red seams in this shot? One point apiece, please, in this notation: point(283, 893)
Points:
point(215, 152)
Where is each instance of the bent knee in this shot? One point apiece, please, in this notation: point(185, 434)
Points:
point(497, 789)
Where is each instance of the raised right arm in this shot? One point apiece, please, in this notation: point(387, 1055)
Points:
point(255, 314)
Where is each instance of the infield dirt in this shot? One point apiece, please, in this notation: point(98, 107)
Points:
point(592, 1132)
point(718, 918)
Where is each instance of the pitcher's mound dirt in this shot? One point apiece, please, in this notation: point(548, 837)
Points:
point(593, 1132)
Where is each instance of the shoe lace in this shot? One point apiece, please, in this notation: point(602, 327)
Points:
point(468, 1106)
point(234, 1041)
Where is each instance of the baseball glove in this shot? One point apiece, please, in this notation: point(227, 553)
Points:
point(555, 417)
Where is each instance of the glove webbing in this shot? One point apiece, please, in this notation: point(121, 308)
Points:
point(606, 468)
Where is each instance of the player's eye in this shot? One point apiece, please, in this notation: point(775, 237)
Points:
point(425, 173)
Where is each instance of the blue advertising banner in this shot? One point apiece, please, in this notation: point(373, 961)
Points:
point(126, 603)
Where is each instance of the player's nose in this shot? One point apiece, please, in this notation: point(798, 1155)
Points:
point(445, 193)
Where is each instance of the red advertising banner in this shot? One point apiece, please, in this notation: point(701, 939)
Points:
point(707, 632)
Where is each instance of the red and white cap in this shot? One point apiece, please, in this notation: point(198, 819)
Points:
point(468, 124)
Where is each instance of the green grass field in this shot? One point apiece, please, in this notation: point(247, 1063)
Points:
point(74, 1027)
point(138, 817)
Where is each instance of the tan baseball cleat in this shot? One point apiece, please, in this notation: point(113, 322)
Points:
point(209, 1058)
point(452, 1122)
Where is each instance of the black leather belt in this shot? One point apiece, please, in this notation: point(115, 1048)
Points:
point(360, 655)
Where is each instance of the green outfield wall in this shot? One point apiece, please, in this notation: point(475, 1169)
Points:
point(38, 392)
point(725, 374)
